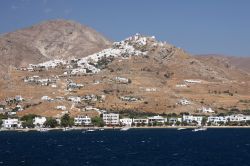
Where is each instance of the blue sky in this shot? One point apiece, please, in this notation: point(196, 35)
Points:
point(199, 27)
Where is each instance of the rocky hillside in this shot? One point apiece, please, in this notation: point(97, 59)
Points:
point(56, 39)
point(138, 74)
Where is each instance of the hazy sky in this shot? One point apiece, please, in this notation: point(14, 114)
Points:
point(198, 26)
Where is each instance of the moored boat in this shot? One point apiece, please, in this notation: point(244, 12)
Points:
point(67, 128)
point(201, 128)
point(181, 128)
point(126, 128)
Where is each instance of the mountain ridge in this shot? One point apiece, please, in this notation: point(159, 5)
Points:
point(50, 40)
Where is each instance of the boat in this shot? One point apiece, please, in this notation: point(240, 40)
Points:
point(90, 130)
point(43, 129)
point(181, 128)
point(101, 129)
point(67, 128)
point(126, 128)
point(201, 128)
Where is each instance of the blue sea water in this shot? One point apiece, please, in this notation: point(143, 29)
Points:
point(135, 147)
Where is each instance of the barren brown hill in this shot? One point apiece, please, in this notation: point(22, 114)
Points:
point(55, 39)
point(242, 63)
point(138, 74)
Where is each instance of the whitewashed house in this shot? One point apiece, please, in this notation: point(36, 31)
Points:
point(39, 121)
point(61, 107)
point(140, 121)
point(46, 98)
point(181, 86)
point(11, 123)
point(121, 80)
point(217, 119)
point(82, 120)
point(192, 118)
point(150, 89)
point(126, 121)
point(111, 119)
point(73, 85)
point(19, 98)
point(192, 81)
point(238, 118)
point(74, 99)
point(206, 110)
point(184, 102)
point(174, 120)
point(156, 119)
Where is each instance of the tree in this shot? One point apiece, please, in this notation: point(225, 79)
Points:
point(204, 121)
point(28, 117)
point(184, 123)
point(178, 123)
point(50, 122)
point(97, 121)
point(67, 121)
point(209, 123)
point(28, 120)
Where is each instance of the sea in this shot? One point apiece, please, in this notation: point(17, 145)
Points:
point(135, 147)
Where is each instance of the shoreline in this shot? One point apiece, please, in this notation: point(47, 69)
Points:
point(118, 128)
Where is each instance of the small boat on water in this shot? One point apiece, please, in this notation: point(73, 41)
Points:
point(181, 128)
point(87, 131)
point(101, 129)
point(126, 128)
point(67, 128)
point(90, 130)
point(201, 128)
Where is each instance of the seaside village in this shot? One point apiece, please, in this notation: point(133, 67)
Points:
point(110, 118)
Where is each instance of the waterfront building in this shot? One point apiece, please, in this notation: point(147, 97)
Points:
point(156, 119)
point(217, 119)
point(140, 121)
point(11, 123)
point(111, 119)
point(82, 120)
point(192, 119)
point(126, 121)
point(39, 121)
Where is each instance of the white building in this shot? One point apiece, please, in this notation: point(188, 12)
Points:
point(181, 86)
point(121, 80)
point(126, 121)
point(206, 110)
point(61, 107)
point(39, 121)
point(46, 98)
point(11, 123)
point(238, 118)
point(82, 120)
point(192, 118)
point(184, 102)
point(111, 119)
point(192, 81)
point(174, 120)
point(19, 98)
point(217, 119)
point(231, 118)
point(140, 121)
point(74, 99)
point(156, 119)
